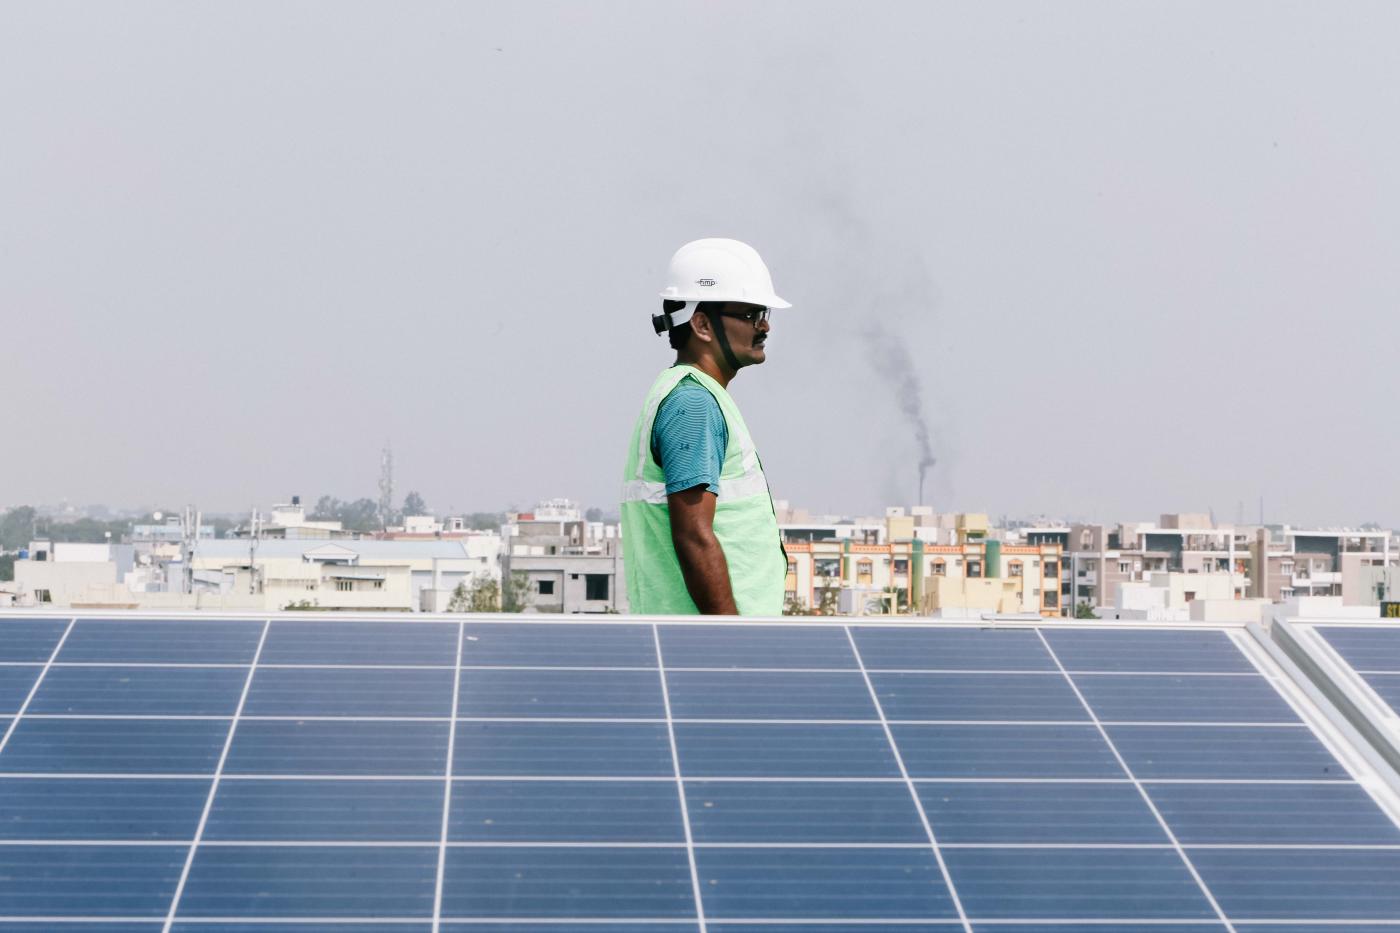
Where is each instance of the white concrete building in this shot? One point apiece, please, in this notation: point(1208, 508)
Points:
point(274, 574)
point(1176, 596)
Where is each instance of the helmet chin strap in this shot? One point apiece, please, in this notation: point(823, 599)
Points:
point(717, 322)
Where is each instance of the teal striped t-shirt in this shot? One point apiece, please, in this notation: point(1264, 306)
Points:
point(689, 437)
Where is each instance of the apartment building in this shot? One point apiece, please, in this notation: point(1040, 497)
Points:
point(566, 564)
point(907, 575)
point(1101, 558)
point(1359, 566)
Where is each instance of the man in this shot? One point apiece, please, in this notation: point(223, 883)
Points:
point(698, 530)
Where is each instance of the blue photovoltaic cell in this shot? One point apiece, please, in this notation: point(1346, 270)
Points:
point(326, 811)
point(1184, 698)
point(557, 645)
point(286, 691)
point(30, 639)
point(1387, 687)
point(769, 695)
point(102, 746)
point(88, 881)
point(1366, 648)
point(1217, 752)
point(311, 881)
point(951, 649)
point(295, 928)
point(676, 926)
point(764, 646)
point(141, 691)
point(1004, 751)
point(1273, 814)
point(1314, 928)
point(567, 882)
point(1150, 650)
point(1279, 884)
point(623, 927)
point(978, 696)
point(1091, 813)
point(817, 750)
point(101, 808)
point(168, 642)
point(1197, 926)
point(565, 694)
point(48, 926)
point(551, 749)
point(835, 882)
point(328, 747)
point(1082, 883)
point(360, 643)
point(939, 926)
point(565, 811)
point(802, 812)
point(15, 684)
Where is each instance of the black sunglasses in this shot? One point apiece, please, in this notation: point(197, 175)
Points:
point(754, 316)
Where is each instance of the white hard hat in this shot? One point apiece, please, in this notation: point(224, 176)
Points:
point(717, 269)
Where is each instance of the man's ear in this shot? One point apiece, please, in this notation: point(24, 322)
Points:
point(702, 327)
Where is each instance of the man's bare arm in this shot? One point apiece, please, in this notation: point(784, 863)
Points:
point(702, 558)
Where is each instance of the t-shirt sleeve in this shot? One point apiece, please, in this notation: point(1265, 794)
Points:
point(689, 437)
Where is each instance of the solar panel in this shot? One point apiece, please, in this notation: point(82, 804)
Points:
point(1374, 653)
point(529, 775)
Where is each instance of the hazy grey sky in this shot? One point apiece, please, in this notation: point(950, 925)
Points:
point(1143, 256)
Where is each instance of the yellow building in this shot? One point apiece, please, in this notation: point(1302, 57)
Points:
point(910, 575)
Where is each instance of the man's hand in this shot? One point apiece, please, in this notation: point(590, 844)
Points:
point(702, 559)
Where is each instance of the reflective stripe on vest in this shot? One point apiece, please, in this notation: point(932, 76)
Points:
point(744, 523)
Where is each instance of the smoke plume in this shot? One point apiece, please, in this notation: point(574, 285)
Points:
point(889, 357)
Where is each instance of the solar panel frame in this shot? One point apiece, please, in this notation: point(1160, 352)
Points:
point(710, 852)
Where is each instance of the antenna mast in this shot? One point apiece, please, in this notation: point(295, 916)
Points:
point(386, 485)
point(189, 536)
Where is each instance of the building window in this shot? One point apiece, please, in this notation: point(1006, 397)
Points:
point(974, 568)
point(1124, 567)
point(377, 585)
point(1013, 569)
point(1052, 599)
point(596, 586)
point(1286, 568)
point(545, 587)
point(901, 565)
point(792, 567)
point(864, 571)
point(1052, 568)
point(43, 596)
point(344, 586)
point(939, 568)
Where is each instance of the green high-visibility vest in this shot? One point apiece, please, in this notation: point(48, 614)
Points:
point(745, 523)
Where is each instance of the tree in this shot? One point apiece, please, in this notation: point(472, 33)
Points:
point(1084, 611)
point(360, 515)
point(481, 594)
point(794, 607)
point(517, 588)
point(413, 504)
point(17, 528)
point(485, 521)
point(7, 567)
